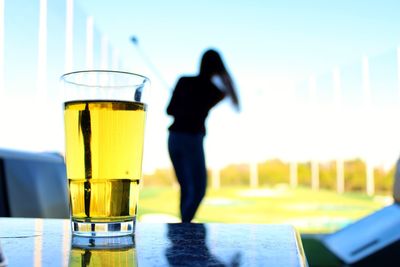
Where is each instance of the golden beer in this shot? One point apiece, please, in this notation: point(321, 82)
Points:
point(104, 149)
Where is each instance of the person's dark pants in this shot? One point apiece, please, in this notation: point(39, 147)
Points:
point(187, 156)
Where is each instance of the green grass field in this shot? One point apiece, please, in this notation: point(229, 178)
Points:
point(309, 211)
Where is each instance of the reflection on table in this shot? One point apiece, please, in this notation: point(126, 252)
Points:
point(48, 242)
point(189, 245)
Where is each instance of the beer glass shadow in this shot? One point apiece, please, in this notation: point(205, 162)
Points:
point(108, 251)
point(189, 247)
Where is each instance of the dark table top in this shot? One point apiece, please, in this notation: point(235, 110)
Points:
point(48, 242)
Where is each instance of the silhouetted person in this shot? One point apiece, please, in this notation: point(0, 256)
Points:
point(192, 99)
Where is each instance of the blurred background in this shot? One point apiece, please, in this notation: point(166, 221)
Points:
point(317, 139)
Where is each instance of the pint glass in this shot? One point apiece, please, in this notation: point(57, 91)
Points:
point(104, 115)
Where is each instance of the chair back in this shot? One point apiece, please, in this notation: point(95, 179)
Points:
point(33, 185)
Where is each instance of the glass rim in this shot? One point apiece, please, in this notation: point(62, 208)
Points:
point(64, 77)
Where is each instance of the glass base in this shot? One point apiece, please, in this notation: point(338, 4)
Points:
point(107, 243)
point(102, 229)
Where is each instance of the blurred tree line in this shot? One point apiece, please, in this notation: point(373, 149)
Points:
point(272, 172)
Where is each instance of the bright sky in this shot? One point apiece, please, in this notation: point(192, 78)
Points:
point(269, 45)
point(271, 48)
point(271, 38)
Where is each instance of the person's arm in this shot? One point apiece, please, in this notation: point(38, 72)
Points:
point(230, 90)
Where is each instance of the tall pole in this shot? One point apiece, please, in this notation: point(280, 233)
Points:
point(89, 43)
point(370, 187)
point(253, 174)
point(314, 159)
point(42, 50)
point(337, 88)
point(69, 35)
point(216, 178)
point(398, 71)
point(104, 52)
point(293, 174)
point(2, 89)
point(115, 59)
point(293, 177)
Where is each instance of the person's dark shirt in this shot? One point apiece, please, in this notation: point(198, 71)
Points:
point(191, 101)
